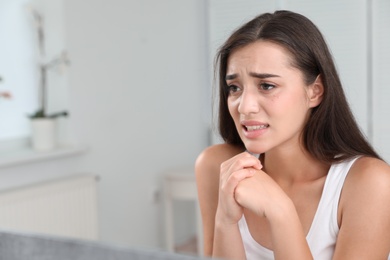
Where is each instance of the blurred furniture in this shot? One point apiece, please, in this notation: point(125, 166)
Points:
point(180, 184)
point(32, 246)
point(62, 206)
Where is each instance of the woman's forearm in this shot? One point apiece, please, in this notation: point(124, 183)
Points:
point(288, 238)
point(227, 242)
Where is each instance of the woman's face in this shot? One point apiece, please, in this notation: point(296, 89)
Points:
point(268, 99)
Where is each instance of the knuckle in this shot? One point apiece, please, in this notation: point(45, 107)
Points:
point(238, 193)
point(222, 167)
point(236, 176)
point(240, 162)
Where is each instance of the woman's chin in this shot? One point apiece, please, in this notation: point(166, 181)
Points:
point(254, 150)
point(254, 146)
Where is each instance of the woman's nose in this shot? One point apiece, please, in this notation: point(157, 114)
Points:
point(248, 103)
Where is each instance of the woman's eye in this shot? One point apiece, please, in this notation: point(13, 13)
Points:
point(266, 86)
point(233, 89)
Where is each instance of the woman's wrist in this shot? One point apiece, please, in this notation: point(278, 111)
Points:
point(227, 242)
point(222, 220)
point(279, 212)
point(287, 234)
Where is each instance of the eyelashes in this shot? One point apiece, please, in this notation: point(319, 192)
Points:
point(267, 86)
point(264, 87)
point(232, 89)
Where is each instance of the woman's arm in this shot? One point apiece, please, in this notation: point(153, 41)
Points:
point(263, 196)
point(364, 212)
point(227, 237)
point(207, 180)
point(207, 169)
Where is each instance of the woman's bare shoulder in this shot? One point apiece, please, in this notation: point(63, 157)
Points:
point(365, 199)
point(369, 171)
point(211, 158)
point(367, 187)
point(367, 183)
point(367, 175)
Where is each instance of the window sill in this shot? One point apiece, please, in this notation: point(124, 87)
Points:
point(18, 153)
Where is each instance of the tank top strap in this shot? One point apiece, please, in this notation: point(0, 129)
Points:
point(324, 229)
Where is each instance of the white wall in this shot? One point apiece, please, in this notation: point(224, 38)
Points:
point(381, 77)
point(18, 57)
point(136, 86)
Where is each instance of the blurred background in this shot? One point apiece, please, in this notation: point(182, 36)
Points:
point(138, 90)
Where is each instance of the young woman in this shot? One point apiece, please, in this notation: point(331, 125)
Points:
point(295, 178)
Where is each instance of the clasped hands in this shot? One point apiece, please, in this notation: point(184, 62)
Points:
point(243, 184)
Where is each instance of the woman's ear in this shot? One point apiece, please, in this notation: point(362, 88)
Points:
point(315, 92)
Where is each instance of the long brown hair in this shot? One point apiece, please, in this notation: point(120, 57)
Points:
point(331, 133)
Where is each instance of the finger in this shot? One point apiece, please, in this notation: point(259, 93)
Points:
point(234, 178)
point(241, 161)
point(257, 162)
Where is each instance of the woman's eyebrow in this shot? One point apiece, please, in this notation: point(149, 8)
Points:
point(230, 77)
point(263, 75)
point(253, 74)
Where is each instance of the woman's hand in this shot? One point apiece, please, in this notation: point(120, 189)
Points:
point(233, 171)
point(260, 194)
point(263, 196)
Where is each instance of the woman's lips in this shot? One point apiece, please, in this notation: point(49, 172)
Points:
point(253, 129)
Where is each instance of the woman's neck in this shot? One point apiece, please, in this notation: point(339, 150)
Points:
point(293, 166)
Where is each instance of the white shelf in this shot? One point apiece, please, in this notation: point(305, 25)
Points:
point(24, 155)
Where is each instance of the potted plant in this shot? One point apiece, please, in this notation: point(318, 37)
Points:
point(43, 125)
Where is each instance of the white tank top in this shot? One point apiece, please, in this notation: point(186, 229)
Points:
point(324, 228)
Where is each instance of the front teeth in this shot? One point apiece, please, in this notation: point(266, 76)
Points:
point(256, 127)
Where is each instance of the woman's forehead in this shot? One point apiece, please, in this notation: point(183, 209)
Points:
point(259, 56)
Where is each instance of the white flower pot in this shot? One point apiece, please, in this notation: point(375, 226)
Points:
point(43, 134)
